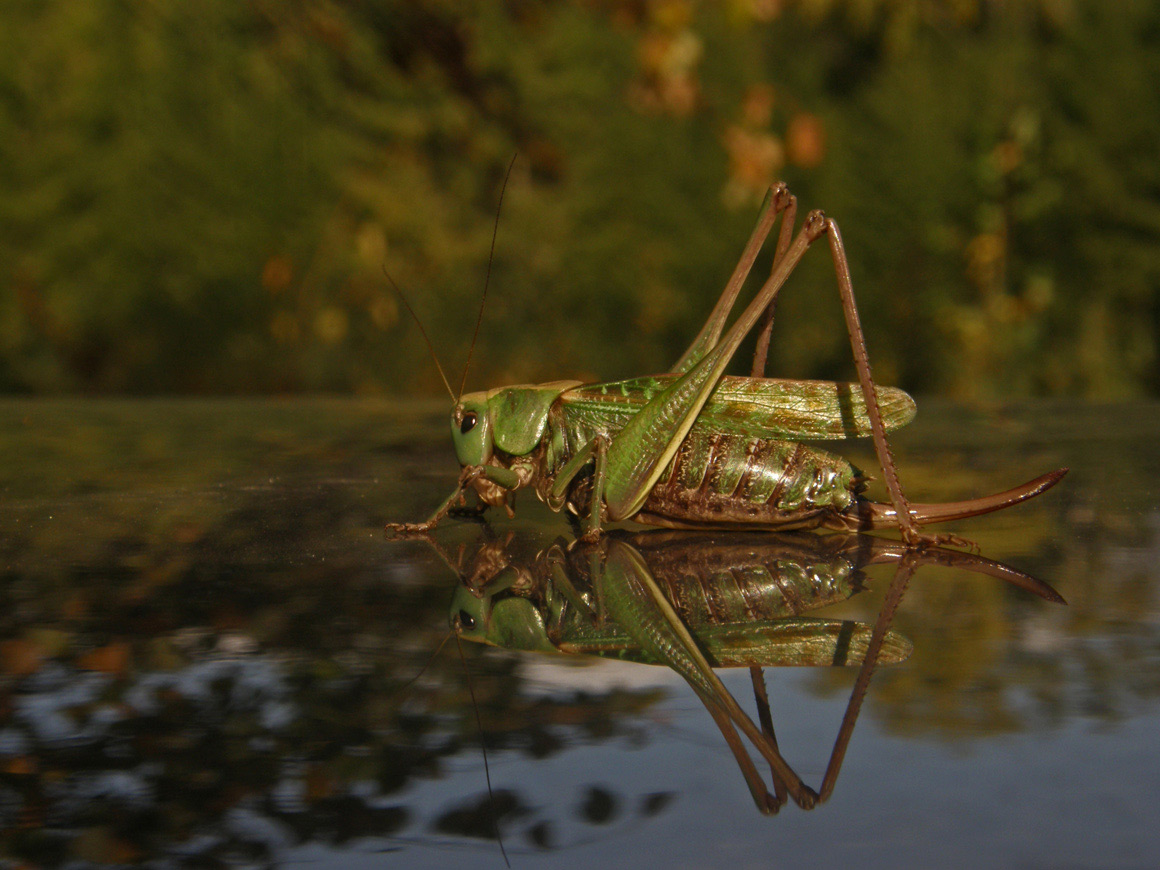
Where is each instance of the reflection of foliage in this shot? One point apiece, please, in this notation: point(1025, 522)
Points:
point(984, 661)
point(203, 655)
point(224, 754)
point(202, 198)
point(1016, 668)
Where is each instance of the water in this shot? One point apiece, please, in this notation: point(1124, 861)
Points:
point(210, 655)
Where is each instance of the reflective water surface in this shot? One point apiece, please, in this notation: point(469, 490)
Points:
point(210, 655)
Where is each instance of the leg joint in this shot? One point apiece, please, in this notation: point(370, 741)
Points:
point(816, 225)
point(781, 197)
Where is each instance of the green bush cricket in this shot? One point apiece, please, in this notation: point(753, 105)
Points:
point(696, 448)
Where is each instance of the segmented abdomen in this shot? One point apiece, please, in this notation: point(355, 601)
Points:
point(718, 478)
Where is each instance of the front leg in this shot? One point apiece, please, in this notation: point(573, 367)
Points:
point(502, 477)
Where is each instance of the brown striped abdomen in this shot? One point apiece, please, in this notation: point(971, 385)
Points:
point(723, 479)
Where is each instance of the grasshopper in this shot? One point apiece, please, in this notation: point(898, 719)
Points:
point(696, 448)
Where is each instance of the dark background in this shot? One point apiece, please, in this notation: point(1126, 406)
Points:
point(201, 197)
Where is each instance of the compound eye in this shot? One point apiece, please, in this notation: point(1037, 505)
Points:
point(468, 422)
point(466, 620)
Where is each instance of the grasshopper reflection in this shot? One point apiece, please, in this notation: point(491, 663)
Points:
point(696, 601)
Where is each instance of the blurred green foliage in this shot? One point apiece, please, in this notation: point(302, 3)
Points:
point(202, 196)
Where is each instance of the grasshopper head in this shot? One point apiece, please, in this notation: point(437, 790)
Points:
point(471, 430)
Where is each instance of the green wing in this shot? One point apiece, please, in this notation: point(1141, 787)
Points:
point(777, 409)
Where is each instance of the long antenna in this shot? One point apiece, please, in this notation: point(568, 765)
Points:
point(403, 688)
point(419, 323)
point(483, 748)
point(487, 278)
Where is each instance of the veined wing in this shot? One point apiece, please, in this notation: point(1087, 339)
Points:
point(771, 408)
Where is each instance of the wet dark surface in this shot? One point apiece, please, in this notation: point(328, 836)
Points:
point(210, 656)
